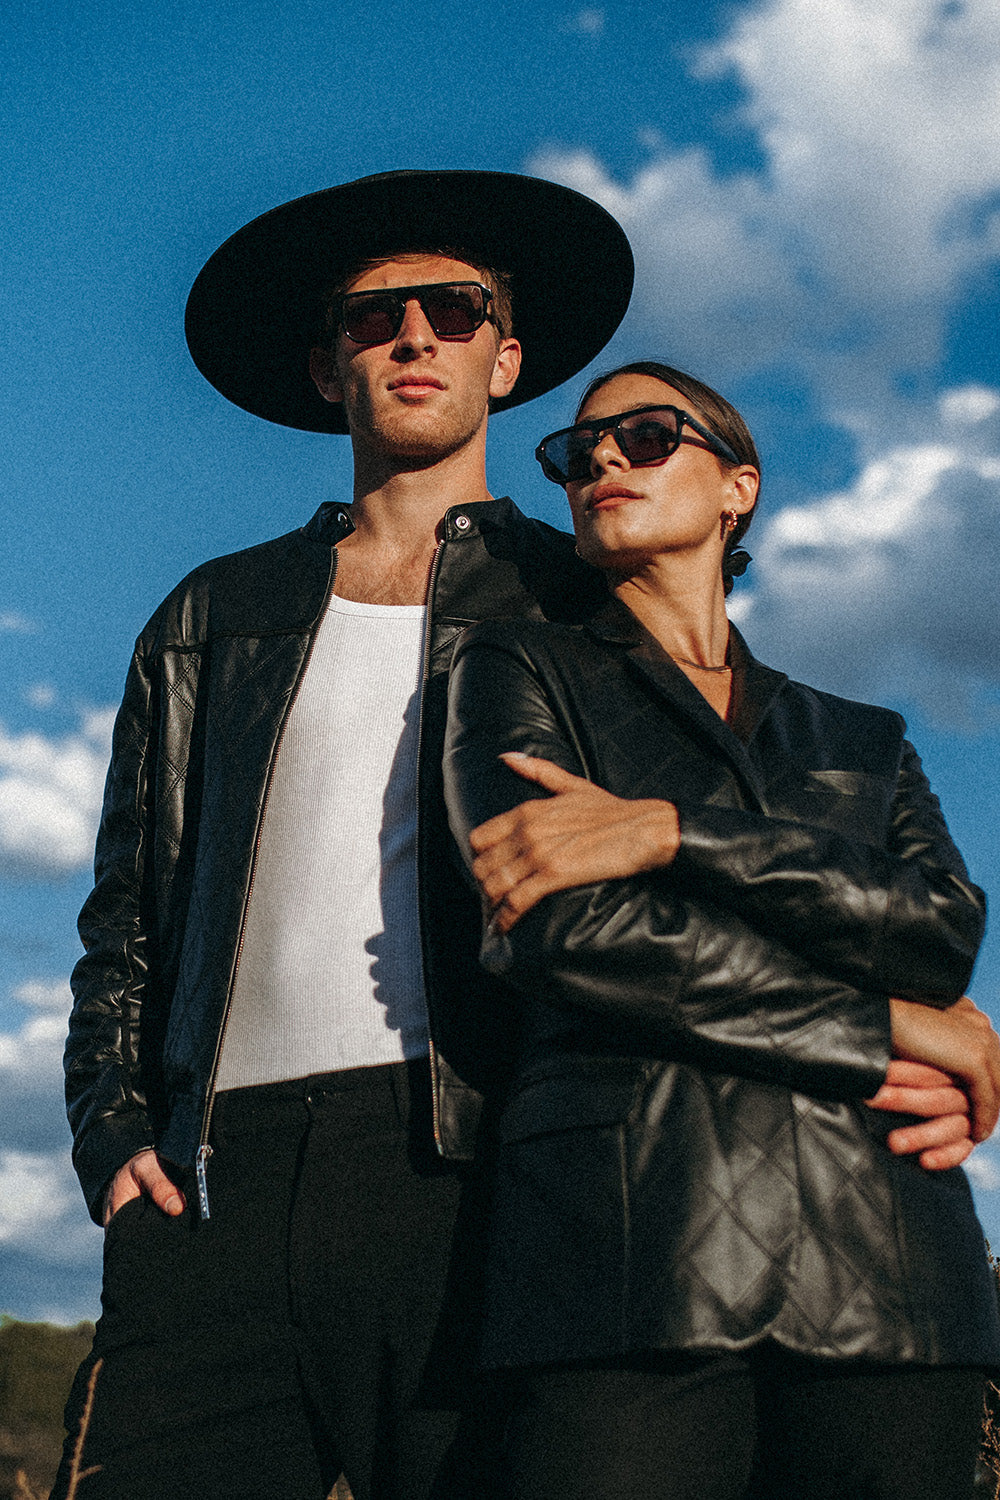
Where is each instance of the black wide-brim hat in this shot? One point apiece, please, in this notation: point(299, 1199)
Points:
point(256, 307)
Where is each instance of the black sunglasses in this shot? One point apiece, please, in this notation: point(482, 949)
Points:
point(645, 435)
point(452, 308)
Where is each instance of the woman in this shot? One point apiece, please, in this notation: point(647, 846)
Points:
point(712, 1272)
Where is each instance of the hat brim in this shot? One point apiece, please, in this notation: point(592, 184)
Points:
point(256, 307)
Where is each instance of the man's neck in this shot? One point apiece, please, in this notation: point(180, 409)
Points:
point(387, 558)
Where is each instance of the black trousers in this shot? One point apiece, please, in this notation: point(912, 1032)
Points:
point(314, 1324)
point(766, 1426)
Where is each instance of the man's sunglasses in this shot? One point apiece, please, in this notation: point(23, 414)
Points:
point(645, 435)
point(452, 308)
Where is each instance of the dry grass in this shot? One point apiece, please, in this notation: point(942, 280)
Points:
point(989, 1453)
point(76, 1474)
point(25, 1490)
point(23, 1487)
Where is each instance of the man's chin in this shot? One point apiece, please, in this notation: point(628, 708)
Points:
point(418, 440)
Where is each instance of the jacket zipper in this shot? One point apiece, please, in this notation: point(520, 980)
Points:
point(425, 677)
point(204, 1149)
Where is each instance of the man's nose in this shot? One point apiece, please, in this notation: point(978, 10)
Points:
point(415, 332)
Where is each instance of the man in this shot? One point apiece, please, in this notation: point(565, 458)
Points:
point(276, 942)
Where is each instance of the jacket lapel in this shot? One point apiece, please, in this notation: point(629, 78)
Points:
point(758, 687)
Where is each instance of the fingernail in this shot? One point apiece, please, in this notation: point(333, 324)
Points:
point(174, 1204)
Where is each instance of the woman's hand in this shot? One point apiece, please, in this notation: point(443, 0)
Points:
point(961, 1042)
point(579, 835)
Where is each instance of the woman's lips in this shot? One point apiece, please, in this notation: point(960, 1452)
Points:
point(610, 494)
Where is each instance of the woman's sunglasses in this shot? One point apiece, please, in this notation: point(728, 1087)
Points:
point(452, 308)
point(645, 435)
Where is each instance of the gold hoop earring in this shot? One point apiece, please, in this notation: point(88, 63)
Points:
point(730, 521)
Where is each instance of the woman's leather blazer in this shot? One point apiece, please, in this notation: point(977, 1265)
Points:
point(686, 1160)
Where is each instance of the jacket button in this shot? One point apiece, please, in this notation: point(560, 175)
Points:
point(462, 523)
point(341, 518)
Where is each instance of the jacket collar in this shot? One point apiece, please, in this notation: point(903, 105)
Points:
point(755, 688)
point(330, 524)
point(333, 521)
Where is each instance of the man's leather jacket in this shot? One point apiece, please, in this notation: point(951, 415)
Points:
point(210, 687)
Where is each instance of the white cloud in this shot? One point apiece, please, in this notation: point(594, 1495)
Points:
point(983, 1168)
point(890, 585)
point(45, 994)
point(41, 1208)
point(40, 695)
point(33, 1115)
point(31, 1057)
point(878, 120)
point(16, 624)
point(889, 110)
point(587, 22)
point(969, 406)
point(44, 1225)
point(50, 797)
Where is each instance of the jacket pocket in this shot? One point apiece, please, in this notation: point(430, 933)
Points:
point(573, 1094)
point(847, 801)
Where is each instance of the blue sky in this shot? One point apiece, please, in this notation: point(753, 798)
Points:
point(813, 195)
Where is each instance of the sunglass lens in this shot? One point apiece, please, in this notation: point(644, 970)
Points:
point(648, 436)
point(372, 320)
point(566, 456)
point(454, 310)
point(577, 447)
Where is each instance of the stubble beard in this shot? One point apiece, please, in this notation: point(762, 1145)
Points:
point(411, 439)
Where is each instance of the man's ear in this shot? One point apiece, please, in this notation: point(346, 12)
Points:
point(506, 369)
point(324, 372)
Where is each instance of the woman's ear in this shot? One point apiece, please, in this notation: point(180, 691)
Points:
point(745, 483)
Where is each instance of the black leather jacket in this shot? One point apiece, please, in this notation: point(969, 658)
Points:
point(686, 1160)
point(211, 683)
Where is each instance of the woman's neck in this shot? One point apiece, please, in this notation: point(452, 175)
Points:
point(689, 621)
point(686, 614)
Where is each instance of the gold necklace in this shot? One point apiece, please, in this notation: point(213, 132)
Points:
point(685, 661)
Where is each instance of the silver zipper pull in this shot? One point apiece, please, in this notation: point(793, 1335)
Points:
point(204, 1152)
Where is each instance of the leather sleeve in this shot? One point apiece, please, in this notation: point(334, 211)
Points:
point(683, 975)
point(905, 919)
point(106, 1103)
